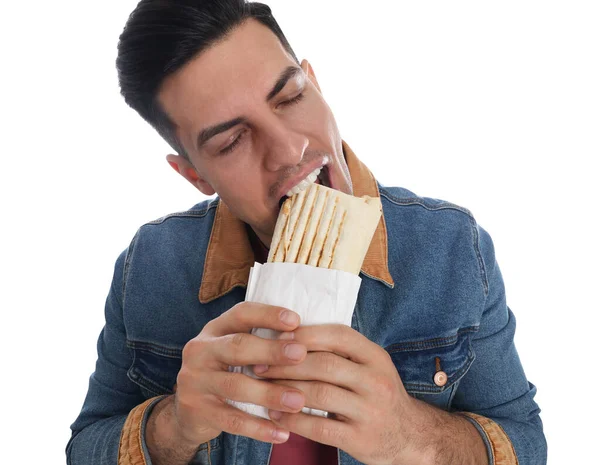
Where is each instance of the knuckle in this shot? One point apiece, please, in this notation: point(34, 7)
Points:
point(237, 343)
point(192, 348)
point(229, 386)
point(328, 362)
point(188, 350)
point(326, 434)
point(238, 314)
point(182, 377)
point(209, 326)
point(233, 423)
point(237, 307)
point(237, 340)
point(319, 431)
point(235, 347)
point(322, 394)
point(385, 356)
point(334, 435)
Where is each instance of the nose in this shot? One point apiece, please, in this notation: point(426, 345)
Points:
point(285, 148)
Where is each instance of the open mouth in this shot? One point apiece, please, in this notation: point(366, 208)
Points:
point(320, 176)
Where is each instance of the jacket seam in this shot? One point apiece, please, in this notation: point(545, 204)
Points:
point(482, 270)
point(446, 206)
point(126, 266)
point(391, 286)
point(154, 348)
point(431, 343)
point(185, 214)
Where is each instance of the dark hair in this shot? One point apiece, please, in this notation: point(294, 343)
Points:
point(161, 36)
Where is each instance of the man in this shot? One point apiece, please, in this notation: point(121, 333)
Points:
point(427, 374)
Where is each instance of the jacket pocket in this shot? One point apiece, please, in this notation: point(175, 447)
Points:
point(154, 367)
point(423, 362)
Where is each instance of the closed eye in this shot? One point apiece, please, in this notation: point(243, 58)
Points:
point(235, 143)
point(291, 101)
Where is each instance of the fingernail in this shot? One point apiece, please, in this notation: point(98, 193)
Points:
point(258, 369)
point(292, 400)
point(286, 336)
point(294, 351)
point(174, 166)
point(281, 436)
point(276, 415)
point(289, 318)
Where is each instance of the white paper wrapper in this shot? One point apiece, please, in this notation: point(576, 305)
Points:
point(318, 295)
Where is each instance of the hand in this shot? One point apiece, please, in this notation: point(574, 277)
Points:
point(204, 381)
point(375, 420)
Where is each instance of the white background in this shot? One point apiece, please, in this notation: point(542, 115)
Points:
point(494, 106)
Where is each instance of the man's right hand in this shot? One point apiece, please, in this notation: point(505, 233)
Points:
point(198, 411)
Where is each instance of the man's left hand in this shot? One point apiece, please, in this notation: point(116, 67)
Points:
point(376, 421)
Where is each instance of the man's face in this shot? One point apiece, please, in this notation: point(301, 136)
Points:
point(281, 133)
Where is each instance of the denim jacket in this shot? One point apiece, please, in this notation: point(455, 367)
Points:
point(431, 294)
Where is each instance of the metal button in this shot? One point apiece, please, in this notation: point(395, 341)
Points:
point(440, 378)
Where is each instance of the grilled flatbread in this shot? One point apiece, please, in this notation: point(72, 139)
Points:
point(325, 228)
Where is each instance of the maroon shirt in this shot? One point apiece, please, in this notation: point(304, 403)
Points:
point(297, 450)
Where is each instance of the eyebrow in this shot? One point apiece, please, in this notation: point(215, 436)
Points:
point(210, 132)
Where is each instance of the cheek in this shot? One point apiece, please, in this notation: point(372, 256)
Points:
point(318, 119)
point(243, 191)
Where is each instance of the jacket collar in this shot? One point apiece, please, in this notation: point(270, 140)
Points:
point(229, 256)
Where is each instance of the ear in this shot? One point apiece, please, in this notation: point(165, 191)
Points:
point(308, 70)
point(188, 171)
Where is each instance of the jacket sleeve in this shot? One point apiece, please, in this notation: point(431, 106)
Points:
point(98, 434)
point(495, 394)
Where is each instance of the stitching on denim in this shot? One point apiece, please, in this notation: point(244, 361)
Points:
point(148, 383)
point(216, 444)
point(116, 294)
point(482, 271)
point(227, 291)
point(153, 348)
point(186, 213)
point(144, 381)
point(127, 265)
point(418, 201)
point(391, 286)
point(430, 343)
point(446, 206)
point(451, 395)
point(209, 252)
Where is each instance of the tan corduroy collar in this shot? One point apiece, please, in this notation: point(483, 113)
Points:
point(229, 256)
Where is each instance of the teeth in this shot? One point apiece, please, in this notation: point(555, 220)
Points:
point(312, 177)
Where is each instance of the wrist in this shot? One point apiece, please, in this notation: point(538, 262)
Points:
point(445, 438)
point(164, 435)
point(422, 434)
